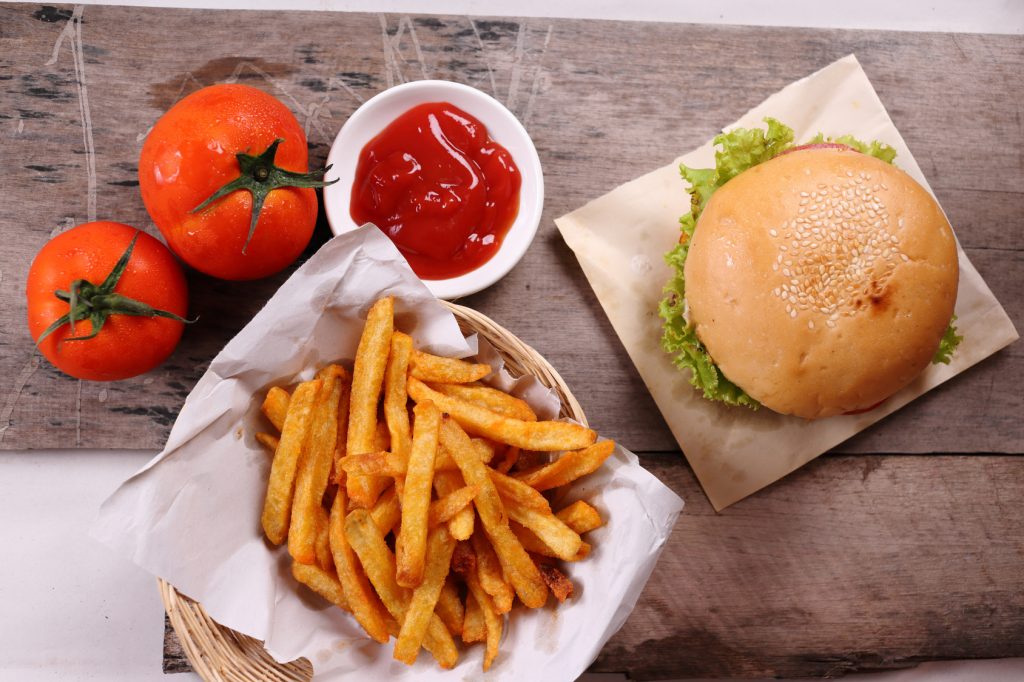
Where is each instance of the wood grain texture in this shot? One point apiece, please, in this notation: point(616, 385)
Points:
point(853, 563)
point(174, 660)
point(604, 101)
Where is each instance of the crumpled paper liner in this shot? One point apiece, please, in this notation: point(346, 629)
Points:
point(192, 515)
point(620, 239)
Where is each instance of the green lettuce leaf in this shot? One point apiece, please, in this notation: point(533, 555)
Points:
point(950, 340)
point(738, 150)
point(680, 339)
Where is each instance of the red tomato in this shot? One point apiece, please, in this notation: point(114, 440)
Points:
point(126, 345)
point(191, 153)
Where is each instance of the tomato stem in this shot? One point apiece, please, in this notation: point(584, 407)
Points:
point(86, 301)
point(259, 176)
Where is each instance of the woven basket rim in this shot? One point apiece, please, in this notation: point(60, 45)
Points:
point(219, 654)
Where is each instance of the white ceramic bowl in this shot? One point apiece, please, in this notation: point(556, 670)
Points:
point(376, 113)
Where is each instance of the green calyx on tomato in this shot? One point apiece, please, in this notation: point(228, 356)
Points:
point(96, 303)
point(260, 177)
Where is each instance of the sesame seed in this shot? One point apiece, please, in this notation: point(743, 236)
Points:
point(792, 313)
point(773, 232)
point(810, 324)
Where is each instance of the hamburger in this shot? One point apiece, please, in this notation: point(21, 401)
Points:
point(815, 280)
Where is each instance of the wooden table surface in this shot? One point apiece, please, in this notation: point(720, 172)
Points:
point(861, 560)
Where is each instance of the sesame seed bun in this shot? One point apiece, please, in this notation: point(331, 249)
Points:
point(821, 281)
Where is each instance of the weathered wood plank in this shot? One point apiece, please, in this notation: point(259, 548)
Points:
point(853, 563)
point(605, 101)
point(175, 659)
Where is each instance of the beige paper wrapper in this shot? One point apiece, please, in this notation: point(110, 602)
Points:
point(621, 237)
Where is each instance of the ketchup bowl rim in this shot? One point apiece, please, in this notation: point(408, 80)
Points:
point(379, 111)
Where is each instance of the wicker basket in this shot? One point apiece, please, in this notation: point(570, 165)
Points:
point(218, 653)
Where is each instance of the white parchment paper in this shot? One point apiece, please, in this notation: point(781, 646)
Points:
point(192, 515)
point(621, 237)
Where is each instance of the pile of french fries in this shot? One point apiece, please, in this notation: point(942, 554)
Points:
point(424, 526)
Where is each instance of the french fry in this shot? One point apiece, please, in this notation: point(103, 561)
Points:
point(534, 545)
point(568, 467)
point(381, 438)
point(440, 546)
point(387, 511)
point(323, 541)
point(486, 448)
point(379, 564)
point(351, 468)
point(446, 483)
point(315, 466)
point(275, 406)
point(445, 508)
point(268, 440)
point(444, 461)
point(562, 540)
point(557, 581)
point(491, 398)
point(508, 460)
point(396, 412)
point(367, 378)
point(342, 440)
point(321, 582)
point(449, 607)
point(492, 621)
point(473, 628)
point(277, 506)
point(513, 489)
point(488, 569)
point(427, 367)
point(412, 538)
point(374, 463)
point(581, 517)
point(362, 600)
point(547, 435)
point(392, 464)
point(515, 562)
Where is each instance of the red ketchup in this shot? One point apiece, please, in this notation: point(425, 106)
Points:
point(439, 186)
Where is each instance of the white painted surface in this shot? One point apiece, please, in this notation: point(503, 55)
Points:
point(73, 611)
point(69, 608)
